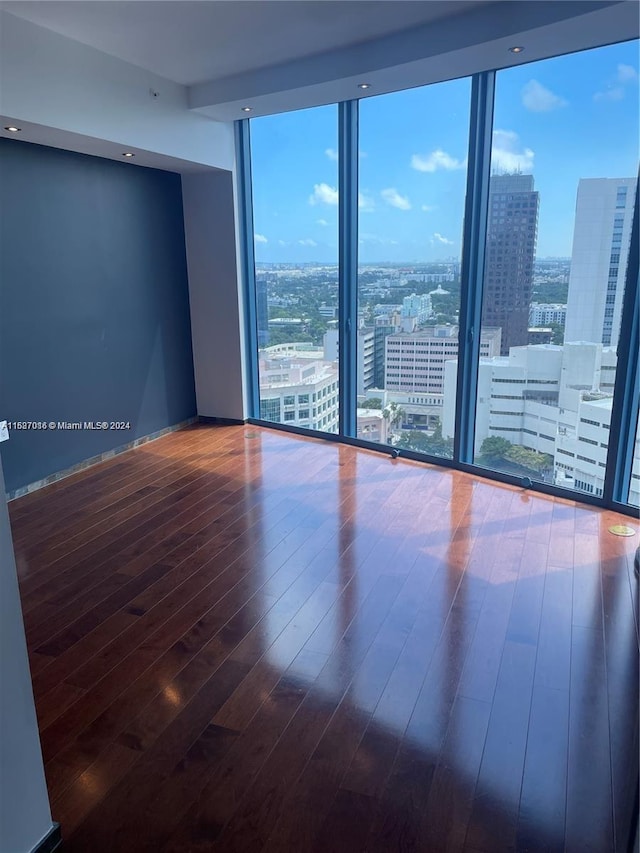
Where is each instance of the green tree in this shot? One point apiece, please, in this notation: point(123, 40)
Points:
point(393, 414)
point(551, 291)
point(372, 403)
point(446, 304)
point(494, 450)
point(558, 333)
point(441, 446)
point(414, 440)
point(422, 442)
point(285, 336)
point(528, 458)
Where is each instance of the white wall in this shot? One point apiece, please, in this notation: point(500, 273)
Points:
point(216, 324)
point(56, 82)
point(25, 817)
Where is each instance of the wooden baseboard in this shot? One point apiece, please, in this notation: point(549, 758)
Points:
point(96, 460)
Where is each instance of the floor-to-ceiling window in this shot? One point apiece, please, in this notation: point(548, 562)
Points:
point(561, 197)
point(413, 168)
point(559, 214)
point(295, 205)
point(634, 486)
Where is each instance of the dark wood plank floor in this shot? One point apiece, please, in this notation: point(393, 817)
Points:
point(243, 640)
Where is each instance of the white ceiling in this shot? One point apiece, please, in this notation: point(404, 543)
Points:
point(278, 55)
point(274, 55)
point(193, 42)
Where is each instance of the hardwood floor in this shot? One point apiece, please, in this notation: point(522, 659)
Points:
point(243, 640)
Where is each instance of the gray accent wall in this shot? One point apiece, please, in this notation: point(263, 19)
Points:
point(94, 305)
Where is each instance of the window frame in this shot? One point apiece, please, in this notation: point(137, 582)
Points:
point(626, 397)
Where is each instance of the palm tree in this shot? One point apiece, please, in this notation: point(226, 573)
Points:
point(393, 414)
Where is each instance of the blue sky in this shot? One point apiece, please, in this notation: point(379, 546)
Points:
point(560, 119)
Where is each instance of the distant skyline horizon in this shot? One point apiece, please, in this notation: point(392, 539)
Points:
point(400, 262)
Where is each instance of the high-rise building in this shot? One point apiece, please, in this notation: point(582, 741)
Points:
point(365, 364)
point(415, 362)
point(418, 306)
point(262, 311)
point(365, 368)
point(382, 329)
point(601, 237)
point(511, 246)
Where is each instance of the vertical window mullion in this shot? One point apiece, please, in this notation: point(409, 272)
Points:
point(626, 390)
point(472, 268)
point(247, 265)
point(348, 263)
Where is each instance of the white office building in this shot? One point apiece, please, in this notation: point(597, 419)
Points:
point(544, 314)
point(365, 366)
point(372, 425)
point(552, 399)
point(415, 362)
point(601, 237)
point(299, 388)
point(420, 410)
point(417, 306)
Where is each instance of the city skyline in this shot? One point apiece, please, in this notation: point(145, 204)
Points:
point(553, 119)
point(560, 208)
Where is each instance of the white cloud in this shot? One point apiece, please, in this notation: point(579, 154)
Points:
point(427, 208)
point(507, 153)
point(612, 93)
point(282, 243)
point(322, 222)
point(438, 159)
point(442, 239)
point(365, 203)
point(374, 240)
point(615, 90)
point(260, 238)
point(323, 194)
point(393, 198)
point(307, 242)
point(538, 99)
point(627, 74)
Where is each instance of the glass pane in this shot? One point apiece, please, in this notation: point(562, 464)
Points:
point(562, 190)
point(295, 213)
point(413, 170)
point(634, 487)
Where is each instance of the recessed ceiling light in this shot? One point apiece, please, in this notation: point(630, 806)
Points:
point(364, 85)
point(13, 129)
point(128, 154)
point(246, 109)
point(516, 49)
